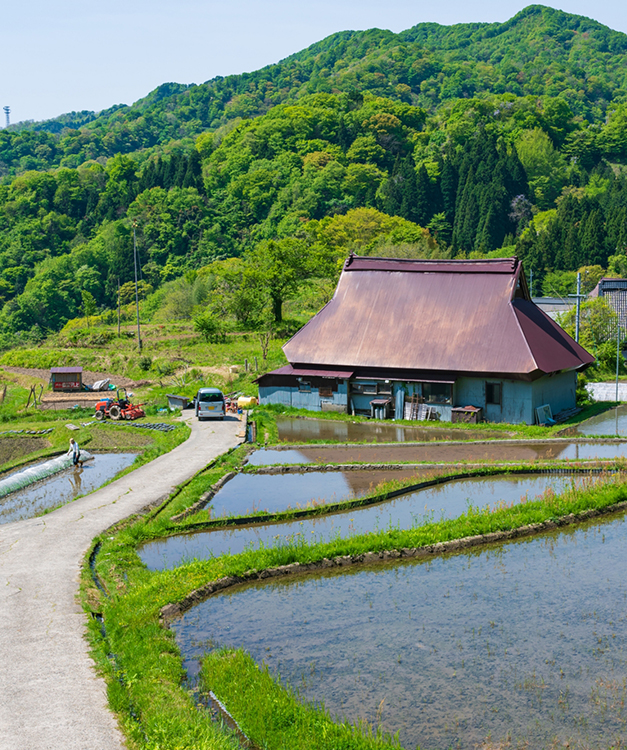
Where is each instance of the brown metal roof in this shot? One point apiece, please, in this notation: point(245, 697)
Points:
point(66, 370)
point(453, 316)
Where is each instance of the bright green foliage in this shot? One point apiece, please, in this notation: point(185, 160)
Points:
point(498, 138)
point(538, 52)
point(210, 328)
point(597, 323)
point(277, 718)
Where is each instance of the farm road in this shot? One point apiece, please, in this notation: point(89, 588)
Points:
point(50, 695)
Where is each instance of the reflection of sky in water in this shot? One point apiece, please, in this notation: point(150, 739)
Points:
point(63, 487)
point(444, 501)
point(469, 452)
point(523, 643)
point(613, 422)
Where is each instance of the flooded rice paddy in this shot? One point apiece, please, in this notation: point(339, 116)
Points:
point(447, 500)
point(250, 493)
point(613, 422)
point(304, 430)
point(517, 645)
point(63, 487)
point(450, 452)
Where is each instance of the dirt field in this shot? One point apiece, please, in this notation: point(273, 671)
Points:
point(117, 438)
point(88, 376)
point(14, 448)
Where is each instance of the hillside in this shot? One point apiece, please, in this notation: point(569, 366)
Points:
point(539, 52)
point(231, 224)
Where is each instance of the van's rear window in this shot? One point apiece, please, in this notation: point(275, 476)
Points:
point(210, 397)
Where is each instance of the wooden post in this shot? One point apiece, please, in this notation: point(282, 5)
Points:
point(256, 365)
point(3, 394)
point(246, 364)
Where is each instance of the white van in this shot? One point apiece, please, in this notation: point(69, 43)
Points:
point(209, 404)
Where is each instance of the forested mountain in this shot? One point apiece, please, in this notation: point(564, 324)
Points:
point(539, 52)
point(471, 139)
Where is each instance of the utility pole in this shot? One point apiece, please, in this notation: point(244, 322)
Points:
point(139, 339)
point(118, 307)
point(579, 297)
point(531, 283)
point(617, 354)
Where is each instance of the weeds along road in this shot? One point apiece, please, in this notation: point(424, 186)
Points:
point(50, 695)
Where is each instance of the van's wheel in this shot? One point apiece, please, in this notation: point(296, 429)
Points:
point(100, 415)
point(115, 412)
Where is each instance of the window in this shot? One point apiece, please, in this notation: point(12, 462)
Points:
point(304, 386)
point(366, 389)
point(493, 394)
point(437, 393)
point(372, 389)
point(326, 391)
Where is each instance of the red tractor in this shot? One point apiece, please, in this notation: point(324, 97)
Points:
point(118, 408)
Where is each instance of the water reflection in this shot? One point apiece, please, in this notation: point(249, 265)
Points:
point(521, 645)
point(303, 430)
point(451, 453)
point(613, 422)
point(448, 500)
point(63, 487)
point(249, 493)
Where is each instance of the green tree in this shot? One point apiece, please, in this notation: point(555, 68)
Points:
point(279, 266)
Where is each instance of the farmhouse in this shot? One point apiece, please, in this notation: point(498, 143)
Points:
point(445, 339)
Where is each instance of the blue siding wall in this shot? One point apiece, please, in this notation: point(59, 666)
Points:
point(558, 390)
point(519, 399)
point(302, 399)
point(516, 399)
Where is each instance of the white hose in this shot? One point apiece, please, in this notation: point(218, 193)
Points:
point(40, 471)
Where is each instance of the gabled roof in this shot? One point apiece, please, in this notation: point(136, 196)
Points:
point(462, 316)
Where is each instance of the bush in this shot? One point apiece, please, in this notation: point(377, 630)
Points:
point(144, 363)
point(210, 328)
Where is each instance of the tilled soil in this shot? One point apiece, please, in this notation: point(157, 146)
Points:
point(88, 376)
point(14, 448)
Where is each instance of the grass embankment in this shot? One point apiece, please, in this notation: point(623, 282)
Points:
point(146, 678)
point(279, 718)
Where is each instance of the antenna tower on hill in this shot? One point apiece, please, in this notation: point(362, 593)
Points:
point(7, 112)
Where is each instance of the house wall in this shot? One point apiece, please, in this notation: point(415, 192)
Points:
point(302, 399)
point(519, 399)
point(516, 399)
point(557, 390)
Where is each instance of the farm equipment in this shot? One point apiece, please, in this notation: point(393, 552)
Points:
point(119, 408)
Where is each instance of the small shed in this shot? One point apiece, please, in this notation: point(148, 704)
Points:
point(66, 378)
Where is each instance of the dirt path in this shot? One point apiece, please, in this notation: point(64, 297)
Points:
point(88, 376)
point(50, 695)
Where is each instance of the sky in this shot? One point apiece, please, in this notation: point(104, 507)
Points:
point(81, 54)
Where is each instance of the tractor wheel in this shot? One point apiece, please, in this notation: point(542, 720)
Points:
point(115, 412)
point(100, 415)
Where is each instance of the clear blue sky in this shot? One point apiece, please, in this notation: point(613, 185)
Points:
point(80, 54)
